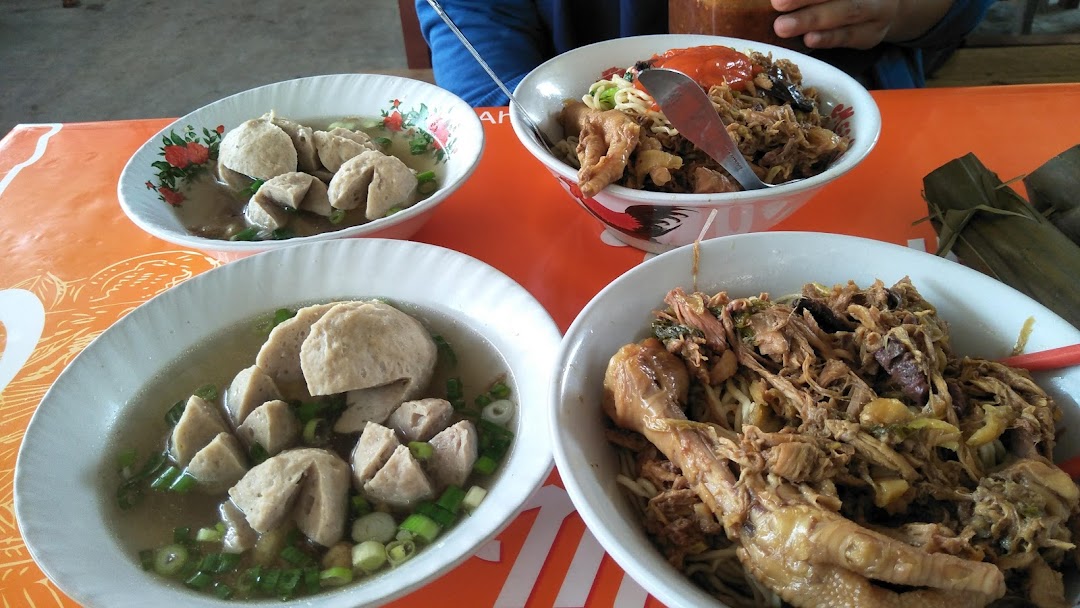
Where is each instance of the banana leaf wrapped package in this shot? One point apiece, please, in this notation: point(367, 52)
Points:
point(991, 228)
point(1054, 190)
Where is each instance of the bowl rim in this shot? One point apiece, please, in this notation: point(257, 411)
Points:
point(128, 182)
point(574, 469)
point(860, 98)
point(525, 469)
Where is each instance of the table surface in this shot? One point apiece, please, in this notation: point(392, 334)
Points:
point(66, 241)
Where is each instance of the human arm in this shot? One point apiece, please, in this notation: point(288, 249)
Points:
point(863, 24)
point(509, 35)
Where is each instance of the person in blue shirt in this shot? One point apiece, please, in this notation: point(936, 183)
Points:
point(882, 43)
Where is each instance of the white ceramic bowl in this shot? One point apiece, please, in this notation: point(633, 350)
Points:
point(420, 105)
point(656, 221)
point(65, 483)
point(985, 318)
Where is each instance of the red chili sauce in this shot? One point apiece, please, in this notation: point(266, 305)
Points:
point(710, 65)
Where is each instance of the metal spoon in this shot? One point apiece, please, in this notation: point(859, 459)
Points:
point(529, 121)
point(689, 110)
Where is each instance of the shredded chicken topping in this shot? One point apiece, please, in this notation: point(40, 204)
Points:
point(634, 146)
point(835, 446)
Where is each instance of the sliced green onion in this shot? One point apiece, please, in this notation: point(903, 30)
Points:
point(288, 582)
point(441, 516)
point(209, 535)
point(500, 411)
point(292, 537)
point(128, 495)
point(258, 453)
point(399, 551)
point(485, 465)
point(421, 450)
point(377, 526)
point(494, 440)
point(222, 591)
point(183, 484)
point(316, 431)
point(454, 390)
point(404, 535)
point(350, 124)
point(359, 506)
point(199, 580)
point(268, 580)
point(146, 559)
point(369, 556)
point(447, 352)
point(209, 562)
point(482, 400)
point(191, 567)
point(152, 467)
point(335, 577)
point(208, 392)
point(311, 579)
point(425, 176)
point(282, 234)
point(251, 233)
point(280, 316)
point(219, 563)
point(126, 459)
point(166, 478)
point(181, 534)
point(451, 499)
point(295, 556)
point(473, 498)
point(426, 188)
point(175, 412)
point(606, 98)
point(499, 390)
point(393, 210)
point(383, 142)
point(422, 526)
point(283, 314)
point(252, 188)
point(170, 559)
point(249, 579)
point(307, 410)
point(228, 562)
point(337, 216)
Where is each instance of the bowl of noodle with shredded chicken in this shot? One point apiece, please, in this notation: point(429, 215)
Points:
point(810, 420)
point(798, 121)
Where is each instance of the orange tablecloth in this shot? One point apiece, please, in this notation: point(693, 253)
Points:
point(64, 238)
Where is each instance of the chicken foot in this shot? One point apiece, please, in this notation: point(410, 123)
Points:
point(606, 140)
point(809, 556)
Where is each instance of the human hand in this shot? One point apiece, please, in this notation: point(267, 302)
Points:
point(857, 24)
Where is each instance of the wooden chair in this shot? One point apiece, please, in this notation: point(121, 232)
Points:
point(417, 53)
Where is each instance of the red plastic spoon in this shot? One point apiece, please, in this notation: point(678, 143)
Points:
point(1054, 358)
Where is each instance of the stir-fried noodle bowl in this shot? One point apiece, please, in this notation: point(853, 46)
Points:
point(617, 134)
point(799, 122)
point(835, 442)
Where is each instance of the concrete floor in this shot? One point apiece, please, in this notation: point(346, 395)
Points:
point(118, 59)
point(104, 60)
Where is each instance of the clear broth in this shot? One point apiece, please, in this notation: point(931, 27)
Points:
point(150, 524)
point(212, 209)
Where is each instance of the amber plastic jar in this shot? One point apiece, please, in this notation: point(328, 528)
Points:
point(747, 19)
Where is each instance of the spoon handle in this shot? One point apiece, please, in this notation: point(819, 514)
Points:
point(1053, 358)
point(469, 47)
point(689, 110)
